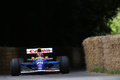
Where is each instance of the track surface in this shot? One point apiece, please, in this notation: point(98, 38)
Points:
point(73, 75)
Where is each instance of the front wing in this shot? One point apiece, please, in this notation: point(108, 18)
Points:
point(32, 71)
point(26, 70)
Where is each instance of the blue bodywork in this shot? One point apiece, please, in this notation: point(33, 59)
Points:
point(37, 64)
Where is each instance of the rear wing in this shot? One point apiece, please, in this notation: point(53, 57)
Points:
point(35, 50)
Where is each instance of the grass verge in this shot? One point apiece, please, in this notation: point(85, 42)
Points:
point(103, 70)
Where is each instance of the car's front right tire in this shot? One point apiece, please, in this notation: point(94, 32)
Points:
point(15, 67)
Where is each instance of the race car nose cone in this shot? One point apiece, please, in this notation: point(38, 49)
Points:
point(39, 64)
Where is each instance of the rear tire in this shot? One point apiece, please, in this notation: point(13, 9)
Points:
point(15, 67)
point(63, 63)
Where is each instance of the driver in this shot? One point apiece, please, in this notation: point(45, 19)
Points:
point(39, 54)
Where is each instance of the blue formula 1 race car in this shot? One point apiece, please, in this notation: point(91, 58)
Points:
point(39, 63)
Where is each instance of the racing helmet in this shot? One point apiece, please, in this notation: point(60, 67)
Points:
point(40, 54)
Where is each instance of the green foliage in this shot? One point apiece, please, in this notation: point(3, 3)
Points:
point(115, 23)
point(98, 70)
point(104, 70)
point(113, 72)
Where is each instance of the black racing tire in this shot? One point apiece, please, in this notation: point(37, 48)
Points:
point(21, 60)
point(63, 63)
point(15, 67)
point(58, 58)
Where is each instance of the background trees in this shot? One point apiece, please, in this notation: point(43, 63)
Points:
point(56, 22)
point(114, 23)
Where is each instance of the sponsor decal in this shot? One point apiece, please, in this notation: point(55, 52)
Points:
point(39, 65)
point(33, 51)
point(43, 50)
point(39, 62)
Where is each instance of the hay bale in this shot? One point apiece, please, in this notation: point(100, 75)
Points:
point(89, 47)
point(93, 52)
point(98, 51)
point(112, 52)
point(102, 51)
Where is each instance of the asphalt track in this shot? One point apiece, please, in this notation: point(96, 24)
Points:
point(75, 74)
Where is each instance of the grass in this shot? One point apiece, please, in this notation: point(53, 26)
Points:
point(103, 70)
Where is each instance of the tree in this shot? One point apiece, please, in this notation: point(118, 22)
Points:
point(115, 23)
point(58, 22)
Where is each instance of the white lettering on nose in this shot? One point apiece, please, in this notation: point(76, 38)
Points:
point(39, 62)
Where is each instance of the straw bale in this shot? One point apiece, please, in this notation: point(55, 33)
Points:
point(102, 51)
point(98, 51)
point(112, 54)
point(89, 47)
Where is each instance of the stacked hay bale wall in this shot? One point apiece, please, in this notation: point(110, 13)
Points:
point(102, 51)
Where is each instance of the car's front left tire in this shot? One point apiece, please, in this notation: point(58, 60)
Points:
point(63, 63)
